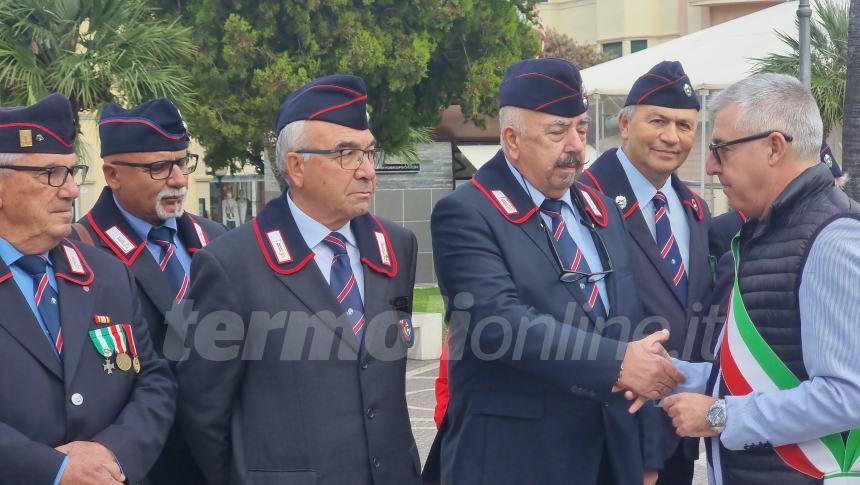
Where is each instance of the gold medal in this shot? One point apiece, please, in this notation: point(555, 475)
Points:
point(136, 363)
point(123, 361)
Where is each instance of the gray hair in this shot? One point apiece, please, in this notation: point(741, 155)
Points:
point(290, 139)
point(9, 158)
point(510, 116)
point(627, 112)
point(775, 102)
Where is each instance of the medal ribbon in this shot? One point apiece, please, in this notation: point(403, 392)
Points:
point(130, 335)
point(118, 337)
point(102, 342)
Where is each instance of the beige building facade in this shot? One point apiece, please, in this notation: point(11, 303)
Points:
point(627, 26)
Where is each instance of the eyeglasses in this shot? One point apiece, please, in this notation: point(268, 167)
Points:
point(571, 276)
point(351, 158)
point(57, 174)
point(716, 148)
point(163, 169)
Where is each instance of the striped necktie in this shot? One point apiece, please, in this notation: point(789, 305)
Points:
point(168, 262)
point(571, 255)
point(668, 246)
point(343, 284)
point(47, 299)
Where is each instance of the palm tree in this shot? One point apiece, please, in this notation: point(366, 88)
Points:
point(829, 59)
point(851, 123)
point(93, 51)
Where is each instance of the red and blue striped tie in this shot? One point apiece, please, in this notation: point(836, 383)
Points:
point(668, 246)
point(47, 299)
point(571, 255)
point(168, 262)
point(343, 283)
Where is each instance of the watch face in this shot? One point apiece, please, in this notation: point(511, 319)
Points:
point(717, 416)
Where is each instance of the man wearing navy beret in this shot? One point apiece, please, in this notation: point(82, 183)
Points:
point(146, 168)
point(542, 306)
point(316, 296)
point(86, 398)
point(667, 223)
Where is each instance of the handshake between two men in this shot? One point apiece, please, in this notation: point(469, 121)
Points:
point(647, 373)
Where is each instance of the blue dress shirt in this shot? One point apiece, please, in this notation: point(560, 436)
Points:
point(142, 228)
point(313, 233)
point(645, 191)
point(826, 403)
point(580, 234)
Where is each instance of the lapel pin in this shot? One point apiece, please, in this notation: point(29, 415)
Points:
point(621, 202)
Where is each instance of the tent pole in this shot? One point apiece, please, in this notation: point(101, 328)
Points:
point(703, 95)
point(598, 123)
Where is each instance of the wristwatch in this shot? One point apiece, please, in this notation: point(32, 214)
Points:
point(717, 416)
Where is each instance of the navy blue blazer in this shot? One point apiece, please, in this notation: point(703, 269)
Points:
point(300, 401)
point(47, 404)
point(653, 277)
point(176, 464)
point(528, 404)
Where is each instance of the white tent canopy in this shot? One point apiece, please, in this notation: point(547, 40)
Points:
point(713, 58)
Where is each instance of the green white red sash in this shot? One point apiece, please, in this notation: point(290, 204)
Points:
point(749, 364)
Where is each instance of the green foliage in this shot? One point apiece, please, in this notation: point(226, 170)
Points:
point(416, 56)
point(93, 51)
point(829, 58)
point(428, 300)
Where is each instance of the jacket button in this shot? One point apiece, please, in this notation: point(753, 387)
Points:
point(77, 399)
point(375, 462)
point(364, 364)
point(371, 413)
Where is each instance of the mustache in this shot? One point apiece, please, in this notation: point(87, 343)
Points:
point(571, 160)
point(171, 192)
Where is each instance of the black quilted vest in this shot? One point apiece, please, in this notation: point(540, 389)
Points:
point(773, 252)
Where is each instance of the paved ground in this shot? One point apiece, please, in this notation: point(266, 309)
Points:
point(420, 375)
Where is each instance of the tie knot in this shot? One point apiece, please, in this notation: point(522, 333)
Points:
point(336, 242)
point(161, 235)
point(33, 265)
point(551, 207)
point(659, 200)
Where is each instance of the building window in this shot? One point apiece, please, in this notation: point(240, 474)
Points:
point(613, 48)
point(638, 45)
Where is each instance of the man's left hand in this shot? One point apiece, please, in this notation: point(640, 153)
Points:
point(651, 477)
point(689, 414)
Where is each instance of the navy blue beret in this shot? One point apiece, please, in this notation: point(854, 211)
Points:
point(667, 85)
point(339, 99)
point(154, 126)
point(828, 159)
point(549, 85)
point(45, 127)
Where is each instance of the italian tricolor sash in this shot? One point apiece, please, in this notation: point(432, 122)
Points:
point(749, 364)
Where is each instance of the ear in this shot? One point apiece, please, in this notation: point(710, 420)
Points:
point(779, 149)
point(294, 167)
point(623, 125)
point(112, 177)
point(512, 141)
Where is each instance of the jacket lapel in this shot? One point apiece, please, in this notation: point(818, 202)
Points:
point(117, 235)
point(615, 185)
point(699, 271)
point(74, 277)
point(19, 321)
point(191, 233)
point(496, 182)
point(289, 257)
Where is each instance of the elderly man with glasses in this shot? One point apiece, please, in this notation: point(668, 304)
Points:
point(308, 383)
point(140, 219)
point(86, 399)
point(780, 403)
